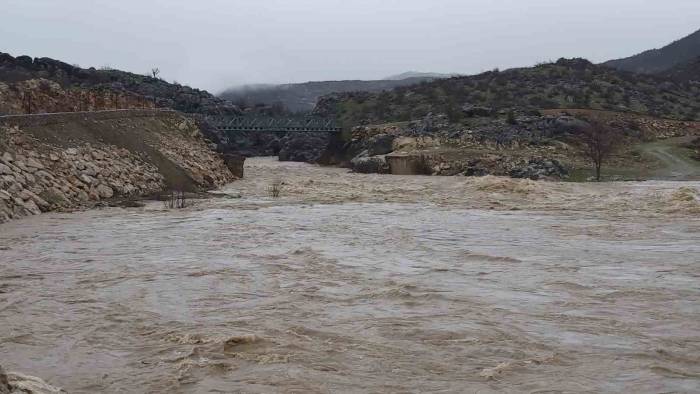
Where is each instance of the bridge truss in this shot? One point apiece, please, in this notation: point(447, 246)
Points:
point(263, 124)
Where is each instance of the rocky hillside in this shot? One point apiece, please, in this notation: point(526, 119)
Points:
point(535, 146)
point(302, 97)
point(568, 83)
point(654, 61)
point(44, 96)
point(64, 161)
point(685, 73)
point(106, 83)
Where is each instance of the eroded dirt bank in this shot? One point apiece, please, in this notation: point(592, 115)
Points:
point(363, 283)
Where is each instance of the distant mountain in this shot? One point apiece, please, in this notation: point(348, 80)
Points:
point(654, 61)
point(302, 97)
point(16, 71)
point(568, 83)
point(416, 74)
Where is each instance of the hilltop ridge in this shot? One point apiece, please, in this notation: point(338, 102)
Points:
point(653, 61)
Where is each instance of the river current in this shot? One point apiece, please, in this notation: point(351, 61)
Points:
point(362, 284)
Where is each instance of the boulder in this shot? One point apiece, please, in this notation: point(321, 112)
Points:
point(370, 165)
point(104, 191)
point(380, 144)
point(539, 168)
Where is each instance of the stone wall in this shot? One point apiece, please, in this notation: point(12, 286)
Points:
point(64, 161)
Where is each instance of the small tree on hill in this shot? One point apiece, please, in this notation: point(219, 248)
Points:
point(155, 72)
point(599, 141)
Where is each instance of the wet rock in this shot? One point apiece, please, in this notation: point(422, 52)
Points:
point(55, 197)
point(539, 168)
point(127, 204)
point(24, 384)
point(31, 207)
point(370, 165)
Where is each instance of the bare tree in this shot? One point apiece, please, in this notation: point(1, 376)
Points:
point(155, 71)
point(599, 142)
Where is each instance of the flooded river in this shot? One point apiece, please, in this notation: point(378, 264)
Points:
point(362, 283)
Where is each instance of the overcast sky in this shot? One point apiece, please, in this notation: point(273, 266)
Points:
point(213, 44)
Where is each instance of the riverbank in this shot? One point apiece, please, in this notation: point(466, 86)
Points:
point(66, 161)
point(360, 283)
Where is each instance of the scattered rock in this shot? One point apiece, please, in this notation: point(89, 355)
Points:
point(476, 110)
point(87, 174)
point(539, 168)
point(370, 165)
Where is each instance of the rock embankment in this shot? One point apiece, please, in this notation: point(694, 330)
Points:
point(64, 161)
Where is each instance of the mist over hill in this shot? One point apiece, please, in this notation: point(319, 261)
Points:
point(302, 97)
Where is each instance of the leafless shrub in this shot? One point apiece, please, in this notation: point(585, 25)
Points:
point(599, 141)
point(175, 200)
point(275, 189)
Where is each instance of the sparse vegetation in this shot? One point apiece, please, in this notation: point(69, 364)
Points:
point(568, 83)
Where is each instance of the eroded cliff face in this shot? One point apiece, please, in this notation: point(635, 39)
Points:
point(64, 161)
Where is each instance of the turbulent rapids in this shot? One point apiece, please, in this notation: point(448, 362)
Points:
point(362, 283)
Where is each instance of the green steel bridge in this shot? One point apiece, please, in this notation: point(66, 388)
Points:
point(264, 124)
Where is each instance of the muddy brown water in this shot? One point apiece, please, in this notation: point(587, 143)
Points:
point(362, 283)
